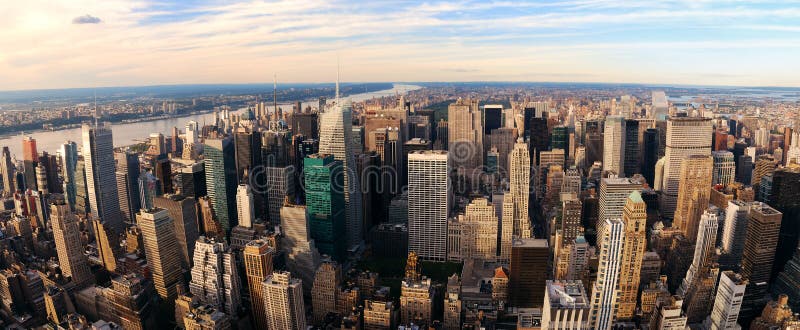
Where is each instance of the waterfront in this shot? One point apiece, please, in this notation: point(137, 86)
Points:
point(130, 133)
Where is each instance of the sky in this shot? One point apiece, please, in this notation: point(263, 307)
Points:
point(77, 43)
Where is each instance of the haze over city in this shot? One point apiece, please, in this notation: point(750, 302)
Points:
point(64, 43)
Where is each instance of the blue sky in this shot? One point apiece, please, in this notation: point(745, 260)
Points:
point(77, 43)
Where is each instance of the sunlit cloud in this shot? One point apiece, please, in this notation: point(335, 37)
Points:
point(142, 42)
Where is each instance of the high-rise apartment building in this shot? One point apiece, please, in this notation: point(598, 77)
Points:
point(428, 203)
point(101, 184)
point(160, 245)
point(605, 293)
point(215, 276)
point(686, 136)
point(283, 302)
point(67, 237)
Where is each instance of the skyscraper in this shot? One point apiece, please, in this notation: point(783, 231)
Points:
point(728, 302)
point(336, 130)
point(614, 145)
point(705, 244)
point(634, 245)
point(694, 190)
point(158, 234)
point(760, 243)
point(221, 179)
point(7, 172)
point(528, 272)
point(465, 134)
point(67, 237)
point(127, 176)
point(631, 157)
point(649, 155)
point(302, 257)
point(724, 168)
point(733, 233)
point(183, 212)
point(101, 184)
point(258, 257)
point(283, 301)
point(323, 293)
point(215, 278)
point(519, 194)
point(131, 300)
point(245, 205)
point(686, 136)
point(326, 204)
point(69, 162)
point(30, 159)
point(566, 306)
point(605, 292)
point(614, 193)
point(428, 203)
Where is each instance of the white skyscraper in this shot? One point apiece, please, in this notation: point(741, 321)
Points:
point(428, 203)
point(245, 206)
point(610, 239)
point(215, 279)
point(614, 145)
point(704, 247)
point(283, 300)
point(191, 132)
point(336, 130)
point(101, 183)
point(660, 105)
point(686, 136)
point(724, 168)
point(730, 294)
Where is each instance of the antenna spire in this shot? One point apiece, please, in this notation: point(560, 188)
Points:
point(337, 80)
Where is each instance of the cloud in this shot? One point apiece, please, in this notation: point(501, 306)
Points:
point(86, 19)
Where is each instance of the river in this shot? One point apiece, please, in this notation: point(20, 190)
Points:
point(130, 133)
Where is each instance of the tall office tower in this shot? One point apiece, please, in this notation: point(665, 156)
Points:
point(326, 204)
point(686, 136)
point(453, 304)
point(30, 159)
point(127, 176)
point(283, 300)
point(305, 124)
point(465, 134)
point(605, 292)
point(594, 147)
point(258, 256)
point(744, 169)
point(649, 155)
point(728, 302)
point(668, 315)
point(614, 193)
point(693, 193)
point(572, 181)
point(245, 205)
point(493, 117)
point(724, 168)
point(784, 198)
point(336, 130)
point(571, 225)
point(302, 257)
point(7, 172)
point(416, 294)
point(247, 150)
point(441, 142)
point(528, 271)
point(761, 240)
point(68, 152)
point(215, 279)
point(614, 145)
point(788, 281)
point(428, 203)
point(630, 162)
point(67, 237)
point(323, 293)
point(566, 306)
point(700, 299)
point(559, 139)
point(479, 230)
point(733, 233)
point(279, 186)
point(504, 140)
point(191, 133)
point(41, 179)
point(183, 212)
point(98, 156)
point(220, 171)
point(765, 165)
point(660, 109)
point(107, 245)
point(81, 193)
point(519, 193)
point(704, 248)
point(634, 245)
point(131, 300)
point(158, 234)
point(148, 189)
